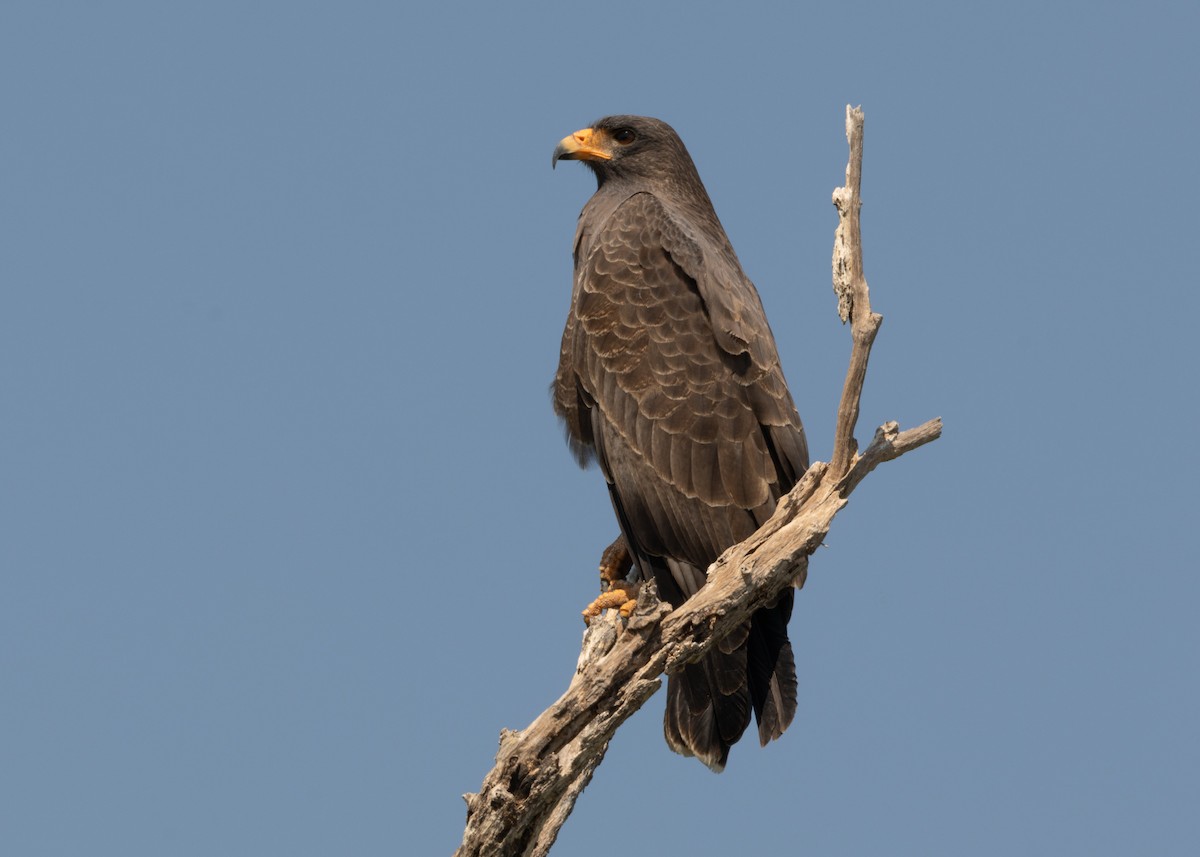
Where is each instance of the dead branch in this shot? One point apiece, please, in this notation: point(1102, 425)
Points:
point(854, 298)
point(540, 771)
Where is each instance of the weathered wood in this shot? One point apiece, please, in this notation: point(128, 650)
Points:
point(541, 770)
point(854, 298)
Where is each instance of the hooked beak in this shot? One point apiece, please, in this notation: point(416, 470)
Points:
point(585, 145)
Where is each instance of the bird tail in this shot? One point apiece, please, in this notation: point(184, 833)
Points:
point(709, 702)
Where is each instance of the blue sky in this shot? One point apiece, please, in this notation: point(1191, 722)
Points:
point(288, 531)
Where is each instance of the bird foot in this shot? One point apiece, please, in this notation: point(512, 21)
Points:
point(616, 591)
point(621, 595)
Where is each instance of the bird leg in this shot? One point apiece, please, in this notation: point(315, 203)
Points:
point(616, 591)
point(615, 562)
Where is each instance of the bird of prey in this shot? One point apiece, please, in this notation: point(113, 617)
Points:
point(669, 379)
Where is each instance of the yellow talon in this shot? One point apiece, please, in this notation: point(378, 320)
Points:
point(622, 596)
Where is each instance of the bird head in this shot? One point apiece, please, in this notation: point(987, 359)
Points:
point(626, 147)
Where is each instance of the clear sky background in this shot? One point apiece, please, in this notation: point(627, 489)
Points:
point(288, 531)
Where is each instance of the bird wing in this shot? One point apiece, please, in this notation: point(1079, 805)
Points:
point(667, 340)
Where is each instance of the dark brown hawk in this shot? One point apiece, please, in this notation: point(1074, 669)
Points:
point(669, 378)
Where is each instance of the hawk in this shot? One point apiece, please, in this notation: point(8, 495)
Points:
point(670, 380)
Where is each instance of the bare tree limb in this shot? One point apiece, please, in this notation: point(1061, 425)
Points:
point(540, 771)
point(854, 298)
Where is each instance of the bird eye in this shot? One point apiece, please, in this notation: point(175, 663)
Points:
point(624, 136)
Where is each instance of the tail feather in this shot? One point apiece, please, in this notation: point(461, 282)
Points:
point(771, 669)
point(708, 706)
point(778, 706)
